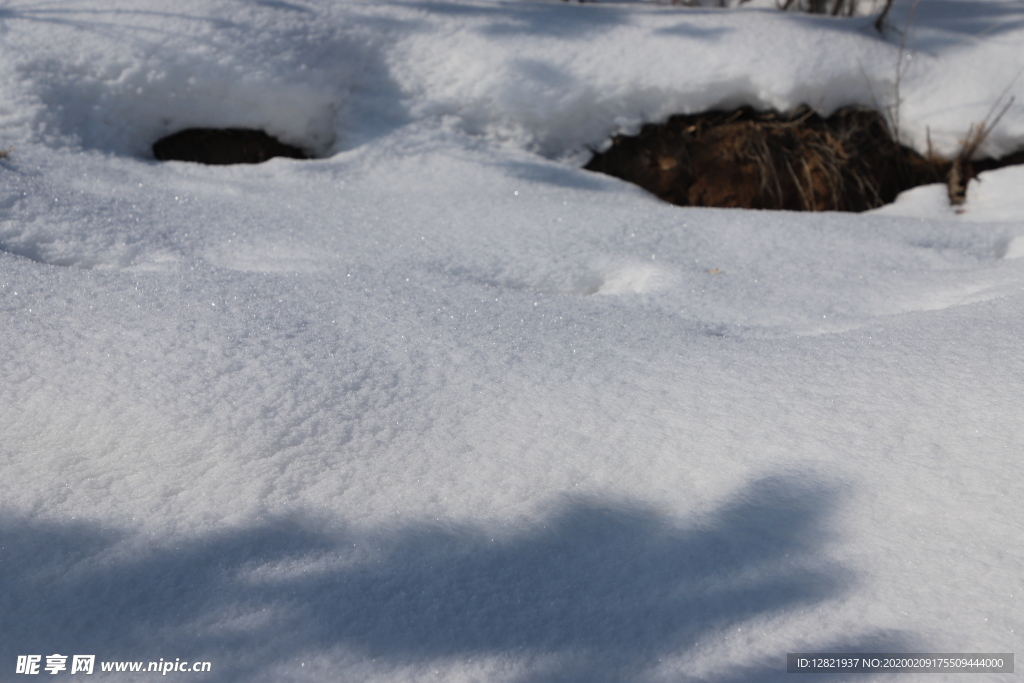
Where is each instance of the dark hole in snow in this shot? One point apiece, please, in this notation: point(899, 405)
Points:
point(222, 146)
point(796, 161)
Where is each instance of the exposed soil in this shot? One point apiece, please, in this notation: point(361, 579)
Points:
point(221, 146)
point(796, 161)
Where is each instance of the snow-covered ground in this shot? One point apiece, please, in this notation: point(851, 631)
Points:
point(440, 405)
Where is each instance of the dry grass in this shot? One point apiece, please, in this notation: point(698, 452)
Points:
point(961, 168)
point(767, 160)
point(796, 161)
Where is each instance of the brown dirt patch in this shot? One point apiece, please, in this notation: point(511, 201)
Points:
point(795, 161)
point(221, 146)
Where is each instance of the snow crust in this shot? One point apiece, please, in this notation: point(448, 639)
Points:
point(441, 405)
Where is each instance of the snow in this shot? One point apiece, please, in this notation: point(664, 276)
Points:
point(440, 405)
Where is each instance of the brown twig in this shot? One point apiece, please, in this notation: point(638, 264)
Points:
point(880, 21)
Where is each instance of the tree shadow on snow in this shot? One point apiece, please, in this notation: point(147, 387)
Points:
point(947, 23)
point(98, 19)
point(598, 591)
point(931, 26)
point(536, 18)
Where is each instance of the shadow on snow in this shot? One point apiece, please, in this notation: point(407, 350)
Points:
point(602, 589)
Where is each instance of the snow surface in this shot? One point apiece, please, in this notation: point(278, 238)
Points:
point(441, 405)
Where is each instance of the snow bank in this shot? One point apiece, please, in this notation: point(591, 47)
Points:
point(443, 406)
point(551, 77)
